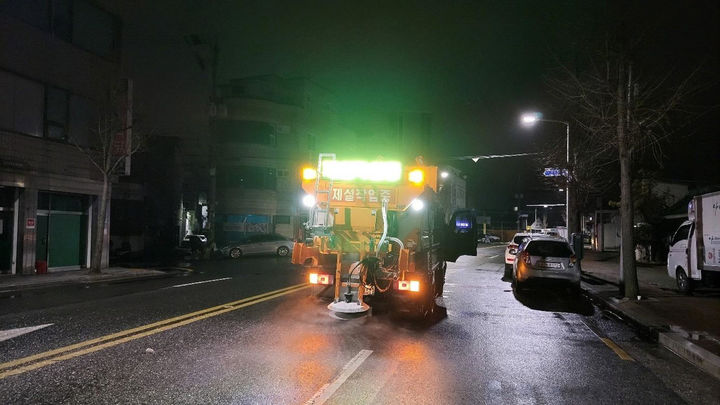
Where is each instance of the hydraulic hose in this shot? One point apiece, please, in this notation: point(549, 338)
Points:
point(385, 227)
point(396, 240)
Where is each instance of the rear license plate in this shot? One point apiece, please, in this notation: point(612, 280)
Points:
point(548, 265)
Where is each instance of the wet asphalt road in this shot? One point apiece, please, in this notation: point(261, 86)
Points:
point(486, 346)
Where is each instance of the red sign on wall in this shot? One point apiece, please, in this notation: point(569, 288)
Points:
point(30, 224)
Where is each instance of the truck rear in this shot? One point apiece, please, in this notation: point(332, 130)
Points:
point(378, 229)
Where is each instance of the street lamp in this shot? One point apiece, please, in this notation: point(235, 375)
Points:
point(529, 120)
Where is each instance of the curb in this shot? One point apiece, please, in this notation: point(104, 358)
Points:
point(14, 289)
point(678, 343)
point(649, 328)
point(675, 340)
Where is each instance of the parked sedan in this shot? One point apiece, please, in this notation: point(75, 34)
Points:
point(258, 245)
point(545, 257)
point(511, 249)
point(487, 238)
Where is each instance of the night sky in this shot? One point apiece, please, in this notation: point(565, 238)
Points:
point(474, 65)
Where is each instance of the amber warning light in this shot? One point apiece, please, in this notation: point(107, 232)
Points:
point(416, 177)
point(309, 173)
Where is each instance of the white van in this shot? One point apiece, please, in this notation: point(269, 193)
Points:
point(695, 246)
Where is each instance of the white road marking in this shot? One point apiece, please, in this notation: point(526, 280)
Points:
point(379, 383)
point(492, 257)
point(11, 333)
point(200, 282)
point(327, 390)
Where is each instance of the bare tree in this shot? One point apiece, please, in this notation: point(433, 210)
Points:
point(591, 170)
point(624, 112)
point(111, 143)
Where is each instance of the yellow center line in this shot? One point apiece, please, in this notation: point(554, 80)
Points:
point(130, 334)
point(620, 352)
point(608, 342)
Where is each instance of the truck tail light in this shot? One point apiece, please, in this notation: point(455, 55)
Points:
point(408, 285)
point(319, 278)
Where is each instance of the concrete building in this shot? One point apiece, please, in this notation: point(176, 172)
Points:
point(57, 58)
point(265, 129)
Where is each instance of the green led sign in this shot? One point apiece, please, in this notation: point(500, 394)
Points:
point(360, 170)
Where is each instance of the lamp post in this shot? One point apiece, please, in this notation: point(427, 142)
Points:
point(530, 119)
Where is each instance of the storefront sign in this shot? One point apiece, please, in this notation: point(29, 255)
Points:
point(30, 223)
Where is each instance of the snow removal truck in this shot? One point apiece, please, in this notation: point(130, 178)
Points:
point(379, 229)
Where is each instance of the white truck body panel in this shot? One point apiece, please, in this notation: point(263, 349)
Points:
point(708, 225)
point(700, 250)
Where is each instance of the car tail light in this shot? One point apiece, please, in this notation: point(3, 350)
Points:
point(408, 285)
point(573, 259)
point(525, 257)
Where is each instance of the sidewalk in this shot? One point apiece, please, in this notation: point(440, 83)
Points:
point(14, 283)
point(686, 325)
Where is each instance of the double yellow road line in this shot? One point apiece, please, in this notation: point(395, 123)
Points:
point(40, 360)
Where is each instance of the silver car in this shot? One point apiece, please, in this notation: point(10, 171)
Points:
point(258, 245)
point(545, 257)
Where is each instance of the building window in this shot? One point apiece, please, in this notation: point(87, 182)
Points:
point(56, 113)
point(253, 132)
point(62, 19)
point(29, 107)
point(21, 105)
point(94, 29)
point(260, 178)
point(282, 172)
point(83, 116)
point(24, 103)
point(33, 12)
point(76, 21)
